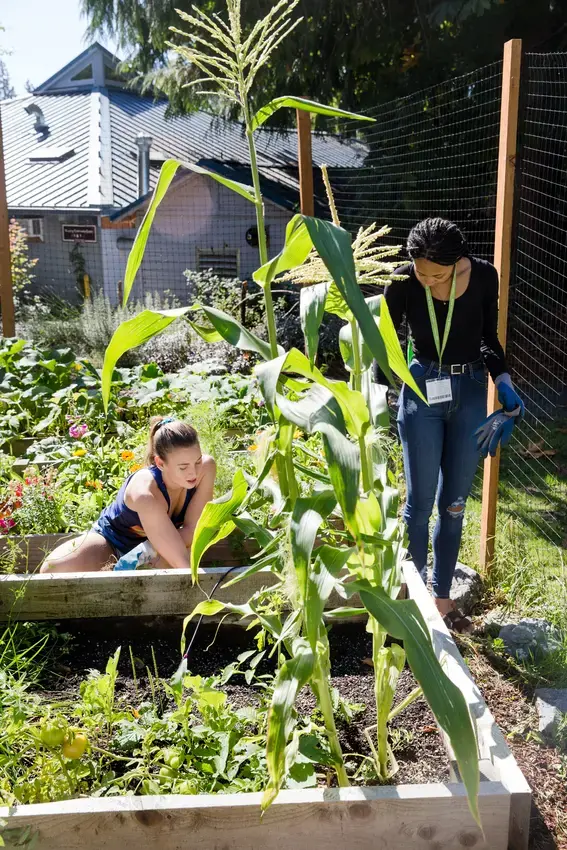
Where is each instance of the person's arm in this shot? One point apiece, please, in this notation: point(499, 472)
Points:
point(203, 494)
point(395, 296)
point(490, 347)
point(159, 529)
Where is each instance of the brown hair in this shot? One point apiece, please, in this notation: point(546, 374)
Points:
point(167, 434)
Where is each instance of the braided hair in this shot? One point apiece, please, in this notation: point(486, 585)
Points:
point(437, 240)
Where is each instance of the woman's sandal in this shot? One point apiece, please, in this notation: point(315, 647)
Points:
point(457, 622)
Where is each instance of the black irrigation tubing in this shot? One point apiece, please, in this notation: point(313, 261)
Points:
point(200, 620)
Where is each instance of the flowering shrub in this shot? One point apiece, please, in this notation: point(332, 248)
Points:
point(32, 506)
point(22, 265)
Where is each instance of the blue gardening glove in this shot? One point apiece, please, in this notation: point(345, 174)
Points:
point(498, 427)
point(508, 397)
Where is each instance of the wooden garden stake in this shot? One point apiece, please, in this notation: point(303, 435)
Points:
point(6, 292)
point(502, 258)
point(305, 161)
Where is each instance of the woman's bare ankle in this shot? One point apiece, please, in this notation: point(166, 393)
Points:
point(443, 605)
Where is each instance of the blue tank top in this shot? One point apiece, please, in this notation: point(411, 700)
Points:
point(121, 526)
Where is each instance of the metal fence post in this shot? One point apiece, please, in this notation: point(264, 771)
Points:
point(502, 260)
point(6, 291)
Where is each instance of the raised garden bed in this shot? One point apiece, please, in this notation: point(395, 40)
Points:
point(432, 815)
point(32, 549)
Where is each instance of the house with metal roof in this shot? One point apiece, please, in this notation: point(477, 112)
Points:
point(82, 156)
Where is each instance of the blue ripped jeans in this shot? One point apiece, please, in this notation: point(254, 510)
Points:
point(440, 458)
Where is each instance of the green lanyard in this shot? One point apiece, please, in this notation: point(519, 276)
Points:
point(433, 318)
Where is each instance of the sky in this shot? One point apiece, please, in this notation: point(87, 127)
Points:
point(42, 35)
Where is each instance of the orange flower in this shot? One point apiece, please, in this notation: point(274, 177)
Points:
point(127, 455)
point(135, 467)
point(96, 485)
point(253, 448)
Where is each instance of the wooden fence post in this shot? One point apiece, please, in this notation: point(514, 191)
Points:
point(502, 259)
point(305, 161)
point(6, 292)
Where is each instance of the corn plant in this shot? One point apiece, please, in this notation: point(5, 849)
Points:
point(298, 543)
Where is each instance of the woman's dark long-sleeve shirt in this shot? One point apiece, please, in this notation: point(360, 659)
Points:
point(474, 327)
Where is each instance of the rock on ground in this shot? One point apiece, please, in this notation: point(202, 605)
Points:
point(530, 639)
point(466, 590)
point(551, 704)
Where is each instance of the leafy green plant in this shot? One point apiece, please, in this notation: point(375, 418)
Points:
point(298, 543)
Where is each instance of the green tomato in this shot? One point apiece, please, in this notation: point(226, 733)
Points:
point(185, 787)
point(53, 731)
point(167, 773)
point(173, 757)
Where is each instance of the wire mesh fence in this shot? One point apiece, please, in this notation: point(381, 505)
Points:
point(436, 153)
point(534, 468)
point(433, 152)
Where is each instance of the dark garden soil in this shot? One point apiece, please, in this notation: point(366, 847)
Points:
point(416, 742)
point(511, 703)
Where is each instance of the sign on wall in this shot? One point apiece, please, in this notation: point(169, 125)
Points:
point(78, 232)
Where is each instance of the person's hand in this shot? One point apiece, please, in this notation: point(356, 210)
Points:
point(497, 428)
point(508, 397)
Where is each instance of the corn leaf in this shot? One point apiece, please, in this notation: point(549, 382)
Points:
point(352, 403)
point(292, 676)
point(227, 328)
point(147, 324)
point(311, 311)
point(131, 334)
point(403, 620)
point(216, 523)
point(379, 308)
point(294, 253)
point(166, 175)
point(333, 244)
point(211, 607)
point(305, 105)
point(306, 519)
point(321, 579)
point(318, 411)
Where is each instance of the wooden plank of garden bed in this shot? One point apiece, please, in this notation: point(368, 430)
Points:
point(30, 551)
point(406, 817)
point(496, 758)
point(60, 596)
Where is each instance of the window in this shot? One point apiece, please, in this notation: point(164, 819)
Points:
point(33, 228)
point(223, 263)
point(85, 73)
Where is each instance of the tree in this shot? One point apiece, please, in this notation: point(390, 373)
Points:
point(354, 52)
point(6, 89)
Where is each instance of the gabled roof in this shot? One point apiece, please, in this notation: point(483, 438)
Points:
point(95, 67)
point(100, 125)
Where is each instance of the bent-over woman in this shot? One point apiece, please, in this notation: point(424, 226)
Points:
point(160, 504)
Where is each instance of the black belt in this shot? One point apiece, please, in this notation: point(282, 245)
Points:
point(454, 368)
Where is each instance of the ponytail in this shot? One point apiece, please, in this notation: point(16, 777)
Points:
point(167, 434)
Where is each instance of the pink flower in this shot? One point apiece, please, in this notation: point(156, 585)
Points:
point(79, 430)
point(7, 524)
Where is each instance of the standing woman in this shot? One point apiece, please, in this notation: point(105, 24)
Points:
point(450, 302)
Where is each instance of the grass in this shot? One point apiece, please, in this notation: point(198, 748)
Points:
point(529, 574)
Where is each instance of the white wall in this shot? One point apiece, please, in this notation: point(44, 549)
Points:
point(197, 213)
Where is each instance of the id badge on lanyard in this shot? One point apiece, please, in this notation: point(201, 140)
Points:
point(439, 389)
